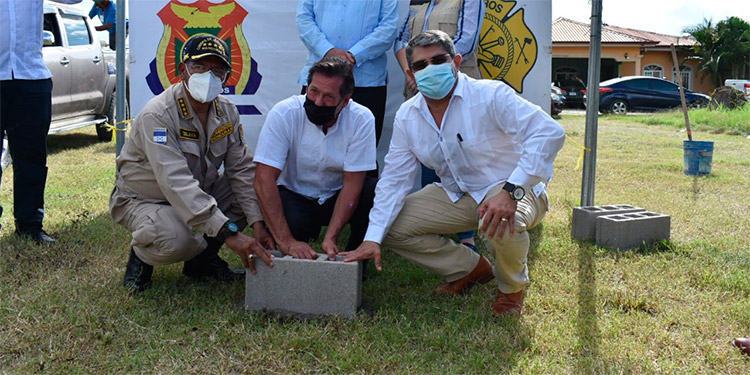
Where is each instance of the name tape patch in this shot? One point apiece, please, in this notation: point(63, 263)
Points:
point(190, 135)
point(222, 131)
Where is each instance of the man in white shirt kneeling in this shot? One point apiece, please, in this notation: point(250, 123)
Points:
point(312, 158)
point(493, 152)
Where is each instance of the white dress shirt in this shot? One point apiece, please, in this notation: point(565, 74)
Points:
point(312, 163)
point(489, 135)
point(21, 25)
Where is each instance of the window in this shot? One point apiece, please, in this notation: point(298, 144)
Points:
point(75, 27)
point(653, 70)
point(663, 86)
point(686, 74)
point(638, 84)
point(566, 74)
point(50, 24)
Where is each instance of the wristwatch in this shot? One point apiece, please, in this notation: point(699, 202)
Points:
point(516, 192)
point(227, 230)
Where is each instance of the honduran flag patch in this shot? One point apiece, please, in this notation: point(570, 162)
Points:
point(160, 136)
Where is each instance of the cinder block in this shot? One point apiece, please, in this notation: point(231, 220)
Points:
point(584, 218)
point(306, 287)
point(627, 231)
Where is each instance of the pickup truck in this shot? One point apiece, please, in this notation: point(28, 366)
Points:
point(83, 77)
point(742, 85)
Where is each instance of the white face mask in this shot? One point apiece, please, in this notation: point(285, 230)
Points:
point(204, 87)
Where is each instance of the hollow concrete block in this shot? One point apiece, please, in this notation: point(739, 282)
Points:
point(630, 230)
point(584, 218)
point(317, 287)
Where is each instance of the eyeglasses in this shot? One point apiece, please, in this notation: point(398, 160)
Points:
point(434, 60)
point(220, 73)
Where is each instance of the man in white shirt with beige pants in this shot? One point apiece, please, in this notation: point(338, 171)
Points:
point(493, 152)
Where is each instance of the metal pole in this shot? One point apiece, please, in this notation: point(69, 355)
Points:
point(121, 90)
point(592, 105)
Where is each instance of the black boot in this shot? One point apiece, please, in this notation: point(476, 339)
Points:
point(137, 273)
point(208, 264)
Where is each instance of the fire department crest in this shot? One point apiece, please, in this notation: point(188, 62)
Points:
point(507, 47)
point(223, 19)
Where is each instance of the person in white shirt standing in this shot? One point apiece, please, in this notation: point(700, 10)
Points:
point(25, 110)
point(313, 154)
point(493, 152)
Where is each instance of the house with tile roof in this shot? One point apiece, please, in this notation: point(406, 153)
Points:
point(625, 52)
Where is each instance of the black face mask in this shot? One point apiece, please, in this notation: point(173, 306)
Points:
point(319, 115)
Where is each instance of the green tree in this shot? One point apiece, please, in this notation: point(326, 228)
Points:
point(723, 50)
point(734, 39)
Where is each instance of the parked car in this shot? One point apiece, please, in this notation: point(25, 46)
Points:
point(742, 85)
point(574, 92)
point(83, 76)
point(557, 101)
point(620, 95)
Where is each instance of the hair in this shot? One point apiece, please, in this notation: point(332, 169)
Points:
point(334, 67)
point(429, 38)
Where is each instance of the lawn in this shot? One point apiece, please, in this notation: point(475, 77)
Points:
point(667, 309)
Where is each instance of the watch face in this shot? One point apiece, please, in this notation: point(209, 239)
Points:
point(232, 227)
point(518, 193)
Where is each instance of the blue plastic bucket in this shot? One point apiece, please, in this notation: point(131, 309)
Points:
point(698, 157)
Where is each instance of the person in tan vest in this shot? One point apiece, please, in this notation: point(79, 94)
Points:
point(462, 21)
point(170, 191)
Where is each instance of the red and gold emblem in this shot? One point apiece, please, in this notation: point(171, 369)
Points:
point(224, 19)
point(507, 48)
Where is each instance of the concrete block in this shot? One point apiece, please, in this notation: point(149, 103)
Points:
point(628, 231)
point(584, 218)
point(305, 287)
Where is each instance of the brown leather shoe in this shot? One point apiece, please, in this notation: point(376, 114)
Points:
point(508, 304)
point(743, 344)
point(481, 274)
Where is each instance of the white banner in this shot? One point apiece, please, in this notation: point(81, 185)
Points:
point(267, 54)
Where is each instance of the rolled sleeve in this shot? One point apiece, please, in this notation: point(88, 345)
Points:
point(541, 137)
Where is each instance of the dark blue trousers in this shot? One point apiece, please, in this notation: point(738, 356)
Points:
point(25, 114)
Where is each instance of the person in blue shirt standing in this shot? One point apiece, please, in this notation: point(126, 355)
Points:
point(25, 110)
point(360, 32)
point(106, 10)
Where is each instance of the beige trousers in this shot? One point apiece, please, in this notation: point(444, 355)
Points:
point(416, 234)
point(160, 237)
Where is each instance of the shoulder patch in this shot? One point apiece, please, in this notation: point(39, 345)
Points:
point(218, 108)
point(160, 136)
point(184, 111)
point(222, 131)
point(189, 134)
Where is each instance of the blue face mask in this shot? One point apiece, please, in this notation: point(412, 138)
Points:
point(436, 81)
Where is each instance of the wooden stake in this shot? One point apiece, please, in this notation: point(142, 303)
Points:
point(682, 92)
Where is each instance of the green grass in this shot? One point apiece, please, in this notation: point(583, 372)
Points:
point(704, 120)
point(667, 309)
